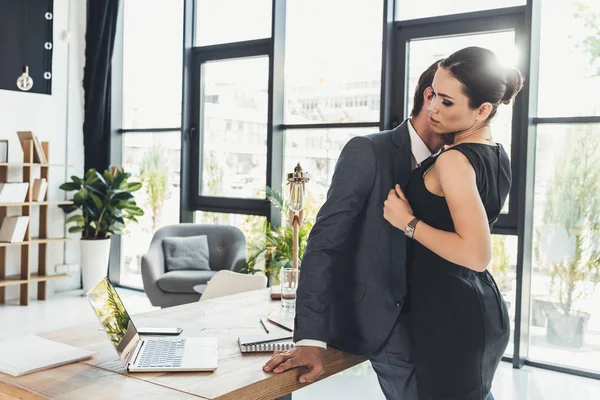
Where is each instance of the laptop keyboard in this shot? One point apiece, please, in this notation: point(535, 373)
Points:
point(161, 353)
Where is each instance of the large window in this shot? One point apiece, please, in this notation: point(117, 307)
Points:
point(225, 21)
point(234, 115)
point(569, 58)
point(153, 159)
point(565, 324)
point(152, 45)
point(152, 63)
point(566, 268)
point(333, 61)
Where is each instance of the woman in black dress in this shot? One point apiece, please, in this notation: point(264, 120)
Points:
point(460, 323)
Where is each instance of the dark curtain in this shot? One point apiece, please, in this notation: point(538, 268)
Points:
point(99, 43)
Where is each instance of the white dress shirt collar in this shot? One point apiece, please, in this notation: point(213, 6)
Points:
point(419, 149)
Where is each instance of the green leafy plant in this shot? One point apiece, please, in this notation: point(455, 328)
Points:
point(277, 249)
point(105, 202)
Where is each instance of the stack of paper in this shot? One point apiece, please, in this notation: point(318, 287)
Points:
point(28, 354)
point(14, 228)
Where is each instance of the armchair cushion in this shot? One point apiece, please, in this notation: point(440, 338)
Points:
point(186, 253)
point(183, 281)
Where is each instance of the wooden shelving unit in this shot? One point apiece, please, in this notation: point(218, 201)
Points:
point(25, 277)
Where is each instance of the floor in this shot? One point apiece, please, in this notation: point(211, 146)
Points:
point(359, 382)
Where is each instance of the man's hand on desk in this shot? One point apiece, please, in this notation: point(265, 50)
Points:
point(301, 356)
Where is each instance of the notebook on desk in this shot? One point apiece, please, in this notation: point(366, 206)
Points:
point(27, 354)
point(265, 343)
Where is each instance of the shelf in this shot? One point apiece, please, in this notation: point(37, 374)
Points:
point(16, 279)
point(50, 202)
point(27, 167)
point(35, 241)
point(36, 203)
point(8, 164)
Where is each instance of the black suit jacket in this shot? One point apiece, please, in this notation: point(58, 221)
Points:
point(351, 279)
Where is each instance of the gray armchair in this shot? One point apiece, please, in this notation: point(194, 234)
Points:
point(227, 251)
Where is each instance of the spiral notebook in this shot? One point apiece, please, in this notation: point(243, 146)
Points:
point(265, 343)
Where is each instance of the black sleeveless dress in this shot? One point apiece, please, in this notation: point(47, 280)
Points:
point(460, 323)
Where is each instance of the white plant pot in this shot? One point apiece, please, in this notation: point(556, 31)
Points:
point(94, 261)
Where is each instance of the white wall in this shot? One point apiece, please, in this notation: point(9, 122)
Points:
point(58, 119)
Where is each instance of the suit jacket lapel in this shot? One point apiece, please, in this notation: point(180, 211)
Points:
point(402, 154)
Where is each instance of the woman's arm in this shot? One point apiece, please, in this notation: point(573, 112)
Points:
point(470, 246)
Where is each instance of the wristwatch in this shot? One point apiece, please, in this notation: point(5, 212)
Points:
point(410, 227)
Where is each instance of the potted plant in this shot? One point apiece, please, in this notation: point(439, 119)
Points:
point(568, 244)
point(105, 203)
point(277, 248)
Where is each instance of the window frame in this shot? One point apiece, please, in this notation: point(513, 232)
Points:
point(506, 19)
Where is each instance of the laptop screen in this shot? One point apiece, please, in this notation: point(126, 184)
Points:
point(112, 315)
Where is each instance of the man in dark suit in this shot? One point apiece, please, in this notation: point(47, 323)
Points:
point(352, 286)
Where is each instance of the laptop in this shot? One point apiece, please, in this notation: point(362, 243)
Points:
point(148, 354)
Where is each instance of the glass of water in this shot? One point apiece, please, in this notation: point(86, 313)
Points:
point(289, 284)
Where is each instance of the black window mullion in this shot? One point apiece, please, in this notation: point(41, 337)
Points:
point(566, 120)
point(275, 129)
point(116, 141)
point(232, 205)
point(462, 17)
point(188, 115)
point(250, 48)
point(329, 125)
point(524, 180)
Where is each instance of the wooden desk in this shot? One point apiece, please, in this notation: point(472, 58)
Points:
point(238, 376)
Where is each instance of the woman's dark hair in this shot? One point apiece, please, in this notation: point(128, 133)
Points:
point(483, 78)
point(425, 81)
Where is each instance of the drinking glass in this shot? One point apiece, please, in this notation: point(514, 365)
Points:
point(289, 284)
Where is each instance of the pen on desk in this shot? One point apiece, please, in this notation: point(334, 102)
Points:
point(264, 326)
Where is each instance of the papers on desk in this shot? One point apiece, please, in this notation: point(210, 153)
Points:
point(28, 354)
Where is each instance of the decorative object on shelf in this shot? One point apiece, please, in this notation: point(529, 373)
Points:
point(105, 202)
point(297, 181)
point(21, 232)
point(39, 155)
